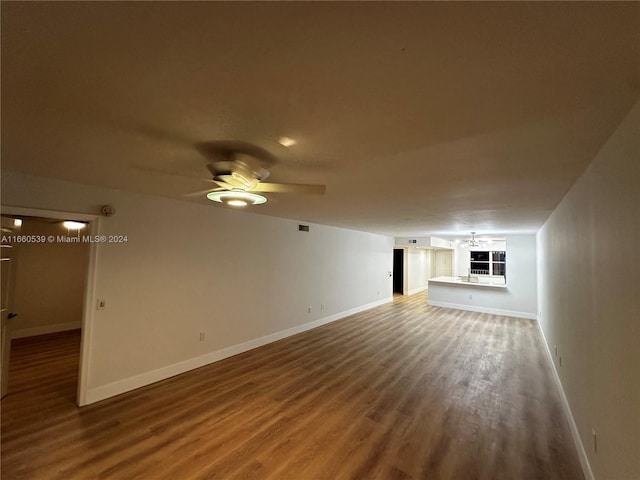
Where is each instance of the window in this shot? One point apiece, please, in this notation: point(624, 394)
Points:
point(498, 263)
point(488, 263)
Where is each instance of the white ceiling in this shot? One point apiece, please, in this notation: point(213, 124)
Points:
point(421, 118)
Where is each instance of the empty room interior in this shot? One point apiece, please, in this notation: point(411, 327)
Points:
point(320, 240)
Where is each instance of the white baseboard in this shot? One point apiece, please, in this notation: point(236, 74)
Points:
point(121, 386)
point(418, 290)
point(473, 308)
point(44, 329)
point(582, 453)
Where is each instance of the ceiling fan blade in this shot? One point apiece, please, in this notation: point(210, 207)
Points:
point(227, 149)
point(289, 188)
point(224, 167)
point(167, 136)
point(174, 174)
point(223, 185)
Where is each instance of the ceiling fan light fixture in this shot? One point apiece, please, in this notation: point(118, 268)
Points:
point(236, 199)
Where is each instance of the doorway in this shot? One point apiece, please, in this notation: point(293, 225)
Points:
point(10, 230)
point(398, 271)
point(54, 282)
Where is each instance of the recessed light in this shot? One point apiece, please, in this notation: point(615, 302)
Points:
point(236, 199)
point(69, 225)
point(286, 141)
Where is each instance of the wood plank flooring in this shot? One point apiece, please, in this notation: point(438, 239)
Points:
point(403, 391)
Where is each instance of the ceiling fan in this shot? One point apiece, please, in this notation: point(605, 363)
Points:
point(237, 169)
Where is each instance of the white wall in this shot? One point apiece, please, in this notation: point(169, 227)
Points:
point(589, 294)
point(462, 262)
point(50, 280)
point(419, 266)
point(190, 268)
point(429, 242)
point(520, 297)
point(443, 263)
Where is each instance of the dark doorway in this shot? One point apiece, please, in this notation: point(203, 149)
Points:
point(398, 270)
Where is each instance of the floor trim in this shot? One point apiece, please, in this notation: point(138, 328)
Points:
point(418, 290)
point(575, 434)
point(45, 329)
point(473, 308)
point(121, 386)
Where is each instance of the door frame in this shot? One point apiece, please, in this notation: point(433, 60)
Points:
point(8, 295)
point(86, 334)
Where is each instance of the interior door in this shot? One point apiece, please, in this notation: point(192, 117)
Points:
point(8, 251)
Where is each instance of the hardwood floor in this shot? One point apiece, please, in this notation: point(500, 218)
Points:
point(403, 391)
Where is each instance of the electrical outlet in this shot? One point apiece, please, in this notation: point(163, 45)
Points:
point(309, 310)
point(102, 304)
point(202, 336)
point(470, 297)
